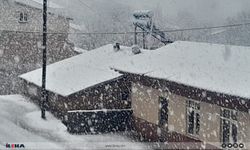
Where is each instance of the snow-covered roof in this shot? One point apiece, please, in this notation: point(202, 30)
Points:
point(39, 4)
point(52, 7)
point(77, 27)
point(82, 71)
point(80, 50)
point(220, 68)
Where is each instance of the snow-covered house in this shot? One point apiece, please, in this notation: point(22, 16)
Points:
point(83, 82)
point(190, 91)
point(21, 38)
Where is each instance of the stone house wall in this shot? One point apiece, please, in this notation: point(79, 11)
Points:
point(21, 52)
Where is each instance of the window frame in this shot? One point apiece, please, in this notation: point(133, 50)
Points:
point(196, 109)
point(160, 124)
point(231, 121)
point(23, 17)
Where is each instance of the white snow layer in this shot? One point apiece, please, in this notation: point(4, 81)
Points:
point(21, 124)
point(53, 8)
point(82, 71)
point(39, 4)
point(77, 27)
point(214, 67)
point(80, 50)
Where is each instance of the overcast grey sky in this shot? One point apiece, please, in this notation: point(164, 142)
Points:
point(204, 11)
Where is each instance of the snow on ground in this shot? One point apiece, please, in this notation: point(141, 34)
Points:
point(21, 124)
point(39, 3)
point(214, 67)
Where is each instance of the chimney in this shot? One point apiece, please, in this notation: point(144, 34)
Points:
point(116, 46)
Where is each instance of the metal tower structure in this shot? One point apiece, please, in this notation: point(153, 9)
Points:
point(143, 20)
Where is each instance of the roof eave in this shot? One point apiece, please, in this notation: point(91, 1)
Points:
point(184, 85)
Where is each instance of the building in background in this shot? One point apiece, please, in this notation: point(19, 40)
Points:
point(83, 82)
point(191, 92)
point(21, 39)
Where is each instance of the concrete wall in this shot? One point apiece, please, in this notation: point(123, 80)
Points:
point(145, 105)
point(209, 122)
point(106, 96)
point(177, 114)
point(244, 128)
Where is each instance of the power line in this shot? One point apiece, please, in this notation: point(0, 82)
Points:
point(207, 28)
point(132, 32)
point(86, 5)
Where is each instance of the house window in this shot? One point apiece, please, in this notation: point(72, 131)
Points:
point(229, 127)
point(23, 17)
point(193, 117)
point(163, 112)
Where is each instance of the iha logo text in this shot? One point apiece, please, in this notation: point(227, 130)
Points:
point(15, 146)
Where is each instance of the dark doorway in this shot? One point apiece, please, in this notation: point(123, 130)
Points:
point(163, 112)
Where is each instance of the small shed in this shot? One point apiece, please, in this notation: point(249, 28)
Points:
point(83, 82)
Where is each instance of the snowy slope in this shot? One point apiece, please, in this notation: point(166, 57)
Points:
point(220, 68)
point(82, 71)
point(21, 124)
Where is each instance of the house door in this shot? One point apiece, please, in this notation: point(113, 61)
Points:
point(163, 112)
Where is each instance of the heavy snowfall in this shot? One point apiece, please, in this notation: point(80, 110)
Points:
point(127, 74)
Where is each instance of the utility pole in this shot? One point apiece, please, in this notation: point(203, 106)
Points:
point(135, 35)
point(143, 40)
point(44, 98)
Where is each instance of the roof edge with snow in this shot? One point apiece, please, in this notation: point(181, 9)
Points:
point(205, 95)
point(196, 64)
point(81, 72)
point(40, 8)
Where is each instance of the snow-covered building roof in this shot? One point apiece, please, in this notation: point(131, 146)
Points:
point(219, 68)
point(52, 7)
point(80, 50)
point(39, 4)
point(82, 71)
point(77, 27)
